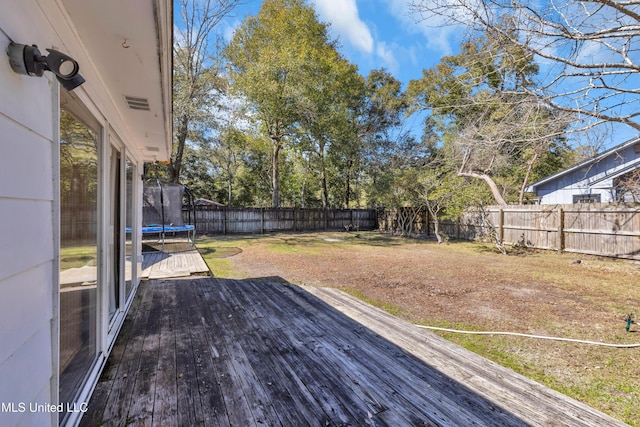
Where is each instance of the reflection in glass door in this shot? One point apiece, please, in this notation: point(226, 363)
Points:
point(130, 263)
point(79, 161)
point(113, 266)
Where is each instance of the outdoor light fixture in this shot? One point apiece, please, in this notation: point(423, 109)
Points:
point(29, 61)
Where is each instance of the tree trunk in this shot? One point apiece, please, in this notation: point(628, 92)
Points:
point(436, 228)
point(176, 165)
point(275, 180)
point(347, 195)
point(526, 178)
point(436, 221)
point(492, 185)
point(323, 183)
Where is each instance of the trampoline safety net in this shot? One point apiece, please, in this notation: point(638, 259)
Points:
point(162, 205)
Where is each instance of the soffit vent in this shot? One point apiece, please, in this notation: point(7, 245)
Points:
point(136, 103)
point(150, 148)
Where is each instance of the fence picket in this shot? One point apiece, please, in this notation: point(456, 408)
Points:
point(264, 220)
point(599, 229)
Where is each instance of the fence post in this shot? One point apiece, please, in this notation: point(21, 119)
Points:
point(295, 222)
point(501, 226)
point(224, 221)
point(325, 210)
point(560, 230)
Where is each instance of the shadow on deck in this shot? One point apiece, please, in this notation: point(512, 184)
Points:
point(218, 352)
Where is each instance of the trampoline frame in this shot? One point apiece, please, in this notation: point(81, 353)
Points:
point(163, 229)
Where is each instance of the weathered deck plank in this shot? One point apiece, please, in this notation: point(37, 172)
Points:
point(539, 405)
point(171, 265)
point(264, 352)
point(188, 402)
point(165, 410)
point(124, 362)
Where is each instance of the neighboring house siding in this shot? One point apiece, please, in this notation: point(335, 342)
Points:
point(594, 177)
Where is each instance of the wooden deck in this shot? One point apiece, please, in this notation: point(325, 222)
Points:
point(218, 352)
point(184, 261)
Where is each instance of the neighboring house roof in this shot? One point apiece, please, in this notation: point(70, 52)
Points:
point(586, 163)
point(207, 202)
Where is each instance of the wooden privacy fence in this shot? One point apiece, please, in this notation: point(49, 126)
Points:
point(265, 220)
point(597, 229)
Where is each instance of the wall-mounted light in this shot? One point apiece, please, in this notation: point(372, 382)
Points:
point(29, 61)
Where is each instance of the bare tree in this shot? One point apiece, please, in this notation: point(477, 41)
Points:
point(627, 187)
point(523, 132)
point(196, 71)
point(589, 51)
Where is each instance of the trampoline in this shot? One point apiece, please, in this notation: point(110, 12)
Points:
point(162, 211)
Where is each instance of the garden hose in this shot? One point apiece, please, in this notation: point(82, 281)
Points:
point(530, 336)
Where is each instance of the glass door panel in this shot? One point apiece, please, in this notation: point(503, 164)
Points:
point(130, 262)
point(79, 161)
point(113, 258)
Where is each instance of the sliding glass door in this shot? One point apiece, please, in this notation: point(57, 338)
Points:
point(79, 231)
point(98, 251)
point(114, 260)
point(131, 264)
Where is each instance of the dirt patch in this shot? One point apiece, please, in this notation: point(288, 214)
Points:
point(458, 284)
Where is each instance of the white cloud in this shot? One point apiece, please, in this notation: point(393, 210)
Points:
point(385, 53)
point(345, 21)
point(229, 29)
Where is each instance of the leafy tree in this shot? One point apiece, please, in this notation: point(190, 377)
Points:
point(253, 186)
point(227, 156)
point(326, 115)
point(198, 172)
point(276, 58)
point(380, 121)
point(490, 122)
point(446, 195)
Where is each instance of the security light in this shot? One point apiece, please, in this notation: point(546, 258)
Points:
point(29, 61)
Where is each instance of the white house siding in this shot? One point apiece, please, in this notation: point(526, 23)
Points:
point(26, 226)
point(29, 222)
point(565, 195)
point(28, 111)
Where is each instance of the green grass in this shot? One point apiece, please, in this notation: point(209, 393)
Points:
point(609, 389)
point(387, 306)
point(216, 254)
point(77, 256)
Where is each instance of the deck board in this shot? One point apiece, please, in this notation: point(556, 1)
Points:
point(205, 351)
point(169, 265)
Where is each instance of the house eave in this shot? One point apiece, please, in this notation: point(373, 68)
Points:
point(532, 188)
point(127, 49)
